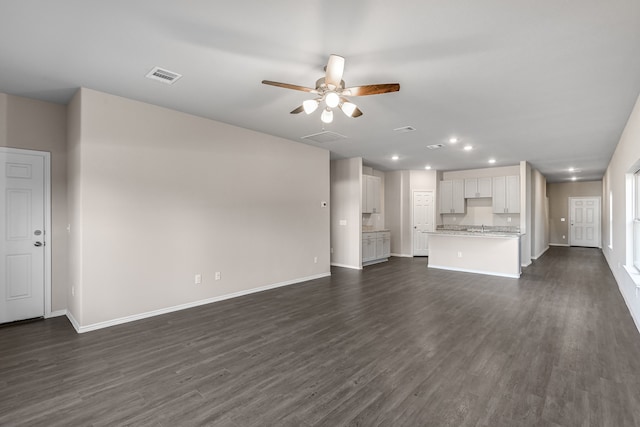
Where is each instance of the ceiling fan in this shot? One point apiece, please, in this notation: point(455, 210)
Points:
point(331, 90)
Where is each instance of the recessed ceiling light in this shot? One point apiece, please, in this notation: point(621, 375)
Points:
point(571, 169)
point(468, 148)
point(395, 158)
point(427, 167)
point(453, 140)
point(573, 178)
point(492, 161)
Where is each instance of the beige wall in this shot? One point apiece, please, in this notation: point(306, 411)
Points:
point(74, 209)
point(37, 125)
point(346, 200)
point(393, 208)
point(625, 161)
point(559, 194)
point(540, 210)
point(163, 196)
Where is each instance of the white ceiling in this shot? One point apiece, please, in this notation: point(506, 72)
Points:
point(548, 81)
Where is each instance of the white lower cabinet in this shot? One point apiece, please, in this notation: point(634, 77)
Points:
point(376, 246)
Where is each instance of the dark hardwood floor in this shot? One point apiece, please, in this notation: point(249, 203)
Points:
point(393, 345)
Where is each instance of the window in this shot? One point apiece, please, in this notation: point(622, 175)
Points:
point(636, 220)
point(610, 219)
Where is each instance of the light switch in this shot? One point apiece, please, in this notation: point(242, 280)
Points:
point(343, 222)
point(562, 219)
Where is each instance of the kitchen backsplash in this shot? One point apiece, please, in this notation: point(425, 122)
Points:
point(372, 222)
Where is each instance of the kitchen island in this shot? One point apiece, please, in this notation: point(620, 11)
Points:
point(477, 249)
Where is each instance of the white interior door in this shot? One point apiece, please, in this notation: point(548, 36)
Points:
point(584, 221)
point(422, 221)
point(22, 235)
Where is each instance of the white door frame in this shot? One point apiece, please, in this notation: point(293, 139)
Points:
point(599, 199)
point(433, 216)
point(47, 219)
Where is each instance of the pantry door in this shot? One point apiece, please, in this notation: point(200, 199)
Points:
point(23, 233)
point(422, 221)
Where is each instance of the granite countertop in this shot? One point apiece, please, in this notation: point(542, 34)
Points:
point(478, 231)
point(374, 231)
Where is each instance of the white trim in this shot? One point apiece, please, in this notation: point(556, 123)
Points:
point(73, 321)
point(465, 270)
point(47, 219)
point(559, 244)
point(541, 253)
point(354, 267)
point(140, 316)
point(629, 304)
point(375, 261)
point(403, 255)
point(633, 272)
point(56, 313)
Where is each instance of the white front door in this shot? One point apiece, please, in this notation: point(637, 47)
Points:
point(422, 221)
point(584, 221)
point(22, 235)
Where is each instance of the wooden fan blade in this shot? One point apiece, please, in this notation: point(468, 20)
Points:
point(371, 89)
point(298, 110)
point(335, 68)
point(289, 86)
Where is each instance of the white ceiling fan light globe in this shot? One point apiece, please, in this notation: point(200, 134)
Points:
point(332, 99)
point(348, 108)
point(310, 105)
point(327, 116)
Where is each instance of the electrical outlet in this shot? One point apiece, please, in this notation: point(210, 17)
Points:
point(73, 291)
point(563, 237)
point(218, 276)
point(315, 259)
point(459, 254)
point(508, 219)
point(197, 279)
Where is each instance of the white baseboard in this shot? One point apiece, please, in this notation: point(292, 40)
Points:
point(56, 313)
point(559, 244)
point(140, 316)
point(541, 253)
point(334, 264)
point(403, 255)
point(73, 321)
point(464, 270)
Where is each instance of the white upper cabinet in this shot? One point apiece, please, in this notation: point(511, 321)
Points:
point(371, 194)
point(477, 187)
point(452, 196)
point(506, 194)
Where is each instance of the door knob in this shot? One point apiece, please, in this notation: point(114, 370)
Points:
point(38, 244)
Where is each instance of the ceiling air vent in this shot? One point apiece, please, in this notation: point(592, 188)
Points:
point(164, 76)
point(405, 129)
point(435, 146)
point(323, 137)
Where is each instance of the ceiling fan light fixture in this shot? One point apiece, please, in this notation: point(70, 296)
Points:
point(327, 116)
point(310, 105)
point(332, 99)
point(348, 108)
